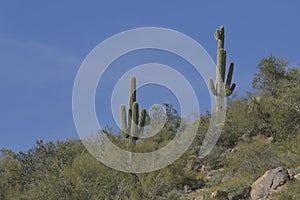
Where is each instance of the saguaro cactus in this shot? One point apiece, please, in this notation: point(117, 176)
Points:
point(222, 89)
point(132, 127)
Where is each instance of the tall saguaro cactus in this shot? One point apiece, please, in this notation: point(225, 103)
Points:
point(222, 89)
point(132, 125)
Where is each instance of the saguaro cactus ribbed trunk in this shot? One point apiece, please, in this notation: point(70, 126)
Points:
point(132, 127)
point(222, 89)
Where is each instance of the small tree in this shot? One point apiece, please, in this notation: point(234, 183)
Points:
point(271, 72)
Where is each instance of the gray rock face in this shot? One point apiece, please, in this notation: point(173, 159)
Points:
point(297, 176)
point(219, 194)
point(267, 183)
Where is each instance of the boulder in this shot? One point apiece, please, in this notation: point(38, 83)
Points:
point(270, 140)
point(297, 176)
point(219, 194)
point(270, 181)
point(291, 174)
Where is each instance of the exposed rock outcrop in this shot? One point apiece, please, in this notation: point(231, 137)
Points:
point(219, 194)
point(269, 182)
point(297, 177)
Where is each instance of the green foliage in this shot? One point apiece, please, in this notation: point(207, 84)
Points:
point(10, 176)
point(163, 133)
point(291, 192)
point(275, 112)
point(271, 72)
point(92, 180)
point(235, 186)
point(252, 158)
point(65, 170)
point(38, 173)
point(216, 158)
point(278, 106)
point(288, 152)
point(173, 119)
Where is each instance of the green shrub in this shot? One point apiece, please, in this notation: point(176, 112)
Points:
point(291, 192)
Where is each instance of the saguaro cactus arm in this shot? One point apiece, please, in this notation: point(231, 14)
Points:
point(134, 121)
point(212, 87)
point(228, 87)
point(142, 118)
point(123, 121)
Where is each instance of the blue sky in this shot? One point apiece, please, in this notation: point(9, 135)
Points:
point(43, 43)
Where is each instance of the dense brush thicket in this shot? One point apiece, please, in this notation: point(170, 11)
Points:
point(262, 131)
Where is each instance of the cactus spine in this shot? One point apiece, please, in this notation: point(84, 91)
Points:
point(222, 88)
point(132, 127)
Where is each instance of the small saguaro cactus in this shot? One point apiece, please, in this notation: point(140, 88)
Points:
point(222, 88)
point(132, 127)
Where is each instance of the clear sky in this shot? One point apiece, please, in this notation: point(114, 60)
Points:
point(42, 44)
